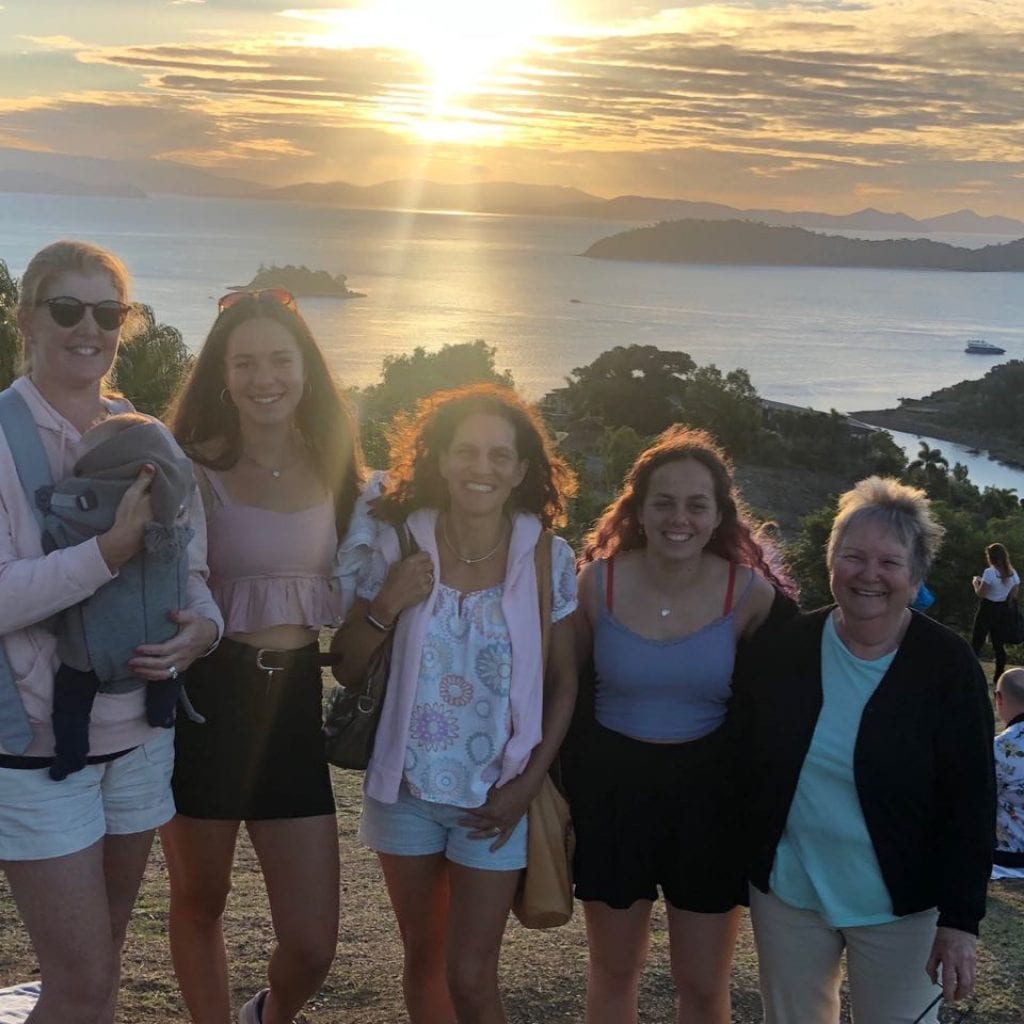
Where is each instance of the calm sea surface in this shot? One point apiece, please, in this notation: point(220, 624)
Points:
point(823, 337)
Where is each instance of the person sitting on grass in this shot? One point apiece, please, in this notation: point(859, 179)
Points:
point(1008, 860)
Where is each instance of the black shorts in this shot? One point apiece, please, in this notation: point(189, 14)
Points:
point(260, 754)
point(650, 815)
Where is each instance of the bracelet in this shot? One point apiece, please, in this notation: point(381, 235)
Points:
point(378, 625)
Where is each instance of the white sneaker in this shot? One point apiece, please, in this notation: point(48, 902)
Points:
point(252, 1011)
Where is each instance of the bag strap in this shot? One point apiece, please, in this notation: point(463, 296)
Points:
point(205, 486)
point(33, 469)
point(406, 546)
point(542, 565)
point(27, 449)
point(406, 541)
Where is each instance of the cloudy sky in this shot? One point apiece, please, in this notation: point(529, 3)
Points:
point(912, 105)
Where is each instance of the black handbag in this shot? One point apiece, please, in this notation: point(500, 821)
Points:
point(1013, 624)
point(353, 713)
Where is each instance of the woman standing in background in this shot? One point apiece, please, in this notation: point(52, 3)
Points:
point(996, 587)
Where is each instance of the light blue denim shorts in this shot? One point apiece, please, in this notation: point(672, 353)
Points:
point(417, 828)
point(41, 818)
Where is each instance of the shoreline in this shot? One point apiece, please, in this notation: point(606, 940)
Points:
point(1000, 449)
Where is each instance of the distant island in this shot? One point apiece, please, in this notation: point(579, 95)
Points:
point(978, 413)
point(748, 242)
point(301, 282)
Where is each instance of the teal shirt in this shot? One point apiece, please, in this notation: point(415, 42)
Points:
point(825, 861)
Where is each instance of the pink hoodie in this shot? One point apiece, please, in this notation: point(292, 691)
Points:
point(34, 587)
point(521, 608)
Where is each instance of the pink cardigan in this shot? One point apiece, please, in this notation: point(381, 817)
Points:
point(34, 587)
point(526, 690)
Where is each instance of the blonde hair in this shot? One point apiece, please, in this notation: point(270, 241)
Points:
point(906, 511)
point(63, 257)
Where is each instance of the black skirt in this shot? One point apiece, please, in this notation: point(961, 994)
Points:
point(259, 755)
point(655, 815)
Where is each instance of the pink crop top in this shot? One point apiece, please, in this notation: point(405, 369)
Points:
point(271, 568)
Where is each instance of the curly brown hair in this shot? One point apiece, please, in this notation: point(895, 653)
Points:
point(418, 441)
point(324, 418)
point(736, 537)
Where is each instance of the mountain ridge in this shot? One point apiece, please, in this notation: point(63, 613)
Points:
point(54, 174)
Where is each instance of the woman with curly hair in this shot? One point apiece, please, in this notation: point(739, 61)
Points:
point(472, 718)
point(673, 578)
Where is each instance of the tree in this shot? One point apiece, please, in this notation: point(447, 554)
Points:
point(930, 470)
point(638, 386)
point(406, 379)
point(884, 456)
point(805, 557)
point(929, 461)
point(150, 367)
point(618, 449)
point(10, 336)
point(726, 405)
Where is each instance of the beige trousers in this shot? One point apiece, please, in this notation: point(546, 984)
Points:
point(799, 957)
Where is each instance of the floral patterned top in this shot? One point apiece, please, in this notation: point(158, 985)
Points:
point(461, 718)
point(1009, 752)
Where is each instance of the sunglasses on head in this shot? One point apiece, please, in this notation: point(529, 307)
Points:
point(281, 295)
point(68, 311)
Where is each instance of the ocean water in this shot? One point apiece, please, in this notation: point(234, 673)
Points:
point(821, 337)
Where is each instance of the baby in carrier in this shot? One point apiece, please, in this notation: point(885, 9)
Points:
point(97, 637)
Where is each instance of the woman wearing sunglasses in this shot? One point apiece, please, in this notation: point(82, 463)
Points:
point(279, 468)
point(74, 851)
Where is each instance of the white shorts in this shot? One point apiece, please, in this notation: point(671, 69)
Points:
point(41, 818)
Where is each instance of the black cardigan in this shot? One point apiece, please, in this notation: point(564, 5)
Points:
point(923, 763)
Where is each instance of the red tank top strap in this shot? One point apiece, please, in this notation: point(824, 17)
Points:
point(609, 572)
point(730, 588)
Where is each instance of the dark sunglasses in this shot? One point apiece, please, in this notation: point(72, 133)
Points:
point(281, 295)
point(68, 311)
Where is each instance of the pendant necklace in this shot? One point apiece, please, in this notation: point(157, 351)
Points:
point(462, 558)
point(275, 473)
point(664, 612)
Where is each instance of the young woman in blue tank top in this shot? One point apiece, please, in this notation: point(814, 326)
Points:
point(673, 579)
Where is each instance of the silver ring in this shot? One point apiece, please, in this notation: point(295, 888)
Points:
point(172, 673)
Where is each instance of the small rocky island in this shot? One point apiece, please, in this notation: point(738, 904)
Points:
point(749, 242)
point(301, 282)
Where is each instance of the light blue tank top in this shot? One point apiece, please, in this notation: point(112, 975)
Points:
point(665, 690)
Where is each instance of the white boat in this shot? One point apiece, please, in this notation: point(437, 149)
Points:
point(978, 347)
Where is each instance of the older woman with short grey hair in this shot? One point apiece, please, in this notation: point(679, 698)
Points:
point(865, 731)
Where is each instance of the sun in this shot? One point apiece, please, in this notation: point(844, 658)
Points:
point(462, 42)
point(463, 46)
